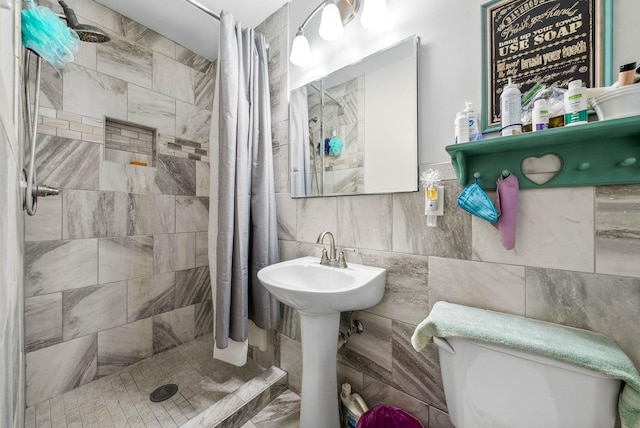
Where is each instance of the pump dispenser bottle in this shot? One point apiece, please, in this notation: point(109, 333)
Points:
point(474, 128)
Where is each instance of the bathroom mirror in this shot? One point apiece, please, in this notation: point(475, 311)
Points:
point(355, 131)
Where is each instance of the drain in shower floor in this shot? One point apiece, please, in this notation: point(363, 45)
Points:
point(163, 392)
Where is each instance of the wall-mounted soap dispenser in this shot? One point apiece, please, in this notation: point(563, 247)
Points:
point(433, 196)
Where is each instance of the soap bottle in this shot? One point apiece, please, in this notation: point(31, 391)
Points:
point(474, 130)
point(511, 109)
point(575, 104)
point(540, 120)
point(352, 407)
point(461, 127)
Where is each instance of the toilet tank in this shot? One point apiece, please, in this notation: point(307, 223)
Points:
point(495, 386)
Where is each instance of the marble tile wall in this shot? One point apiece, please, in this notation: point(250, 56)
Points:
point(116, 267)
point(575, 263)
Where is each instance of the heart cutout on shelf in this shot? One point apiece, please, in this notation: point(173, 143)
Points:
point(541, 169)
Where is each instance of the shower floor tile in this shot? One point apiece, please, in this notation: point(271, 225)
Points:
point(122, 399)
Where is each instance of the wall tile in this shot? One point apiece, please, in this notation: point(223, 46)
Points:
point(130, 62)
point(193, 60)
point(606, 304)
point(54, 370)
point(204, 318)
point(173, 328)
point(192, 286)
point(315, 215)
point(125, 258)
point(202, 249)
point(370, 351)
point(150, 214)
point(202, 178)
point(66, 163)
point(416, 373)
point(52, 266)
point(50, 84)
point(204, 89)
point(193, 123)
point(174, 252)
point(286, 216)
point(439, 419)
point(47, 225)
point(617, 229)
point(150, 296)
point(290, 323)
point(377, 392)
point(94, 94)
point(176, 176)
point(192, 214)
point(151, 109)
point(451, 238)
point(89, 214)
point(351, 376)
point(291, 361)
point(91, 309)
point(359, 216)
point(125, 345)
point(568, 224)
point(148, 38)
point(483, 285)
point(43, 321)
point(173, 78)
point(86, 55)
point(406, 296)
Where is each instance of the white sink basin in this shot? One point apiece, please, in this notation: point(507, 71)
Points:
point(306, 285)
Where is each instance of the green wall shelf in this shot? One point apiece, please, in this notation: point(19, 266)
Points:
point(596, 153)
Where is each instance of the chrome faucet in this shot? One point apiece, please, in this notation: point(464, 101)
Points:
point(330, 259)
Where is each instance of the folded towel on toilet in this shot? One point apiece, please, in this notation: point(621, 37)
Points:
point(582, 348)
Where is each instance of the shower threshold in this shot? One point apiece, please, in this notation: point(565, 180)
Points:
point(211, 393)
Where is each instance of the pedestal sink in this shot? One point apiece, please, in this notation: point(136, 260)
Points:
point(319, 293)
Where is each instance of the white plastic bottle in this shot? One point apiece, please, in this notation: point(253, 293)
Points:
point(511, 109)
point(474, 129)
point(461, 127)
point(575, 104)
point(540, 120)
point(352, 407)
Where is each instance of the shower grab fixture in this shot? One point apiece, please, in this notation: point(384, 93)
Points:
point(86, 33)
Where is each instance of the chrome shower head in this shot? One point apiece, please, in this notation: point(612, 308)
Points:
point(86, 33)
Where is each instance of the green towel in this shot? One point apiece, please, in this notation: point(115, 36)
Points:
point(582, 348)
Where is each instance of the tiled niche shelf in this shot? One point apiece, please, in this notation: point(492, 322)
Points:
point(129, 143)
point(596, 153)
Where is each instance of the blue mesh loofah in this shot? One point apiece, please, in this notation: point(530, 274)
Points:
point(45, 34)
point(473, 199)
point(335, 146)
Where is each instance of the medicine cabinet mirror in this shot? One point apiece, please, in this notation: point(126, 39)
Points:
point(355, 131)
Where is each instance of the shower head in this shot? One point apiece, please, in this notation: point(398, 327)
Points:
point(86, 33)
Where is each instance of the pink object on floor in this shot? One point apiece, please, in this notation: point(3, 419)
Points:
point(386, 416)
point(506, 204)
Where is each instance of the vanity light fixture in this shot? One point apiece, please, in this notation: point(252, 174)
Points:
point(335, 15)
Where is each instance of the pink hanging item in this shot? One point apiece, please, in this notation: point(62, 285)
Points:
point(386, 416)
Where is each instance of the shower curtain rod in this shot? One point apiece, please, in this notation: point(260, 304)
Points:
point(203, 8)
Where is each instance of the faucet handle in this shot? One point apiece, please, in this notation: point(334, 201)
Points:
point(342, 263)
point(324, 259)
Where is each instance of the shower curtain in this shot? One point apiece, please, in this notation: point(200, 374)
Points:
point(243, 230)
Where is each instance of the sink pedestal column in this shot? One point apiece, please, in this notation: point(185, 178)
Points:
point(319, 406)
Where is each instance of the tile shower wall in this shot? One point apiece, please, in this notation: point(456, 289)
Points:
point(575, 263)
point(116, 266)
point(11, 228)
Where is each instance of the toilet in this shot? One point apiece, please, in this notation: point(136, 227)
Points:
point(494, 386)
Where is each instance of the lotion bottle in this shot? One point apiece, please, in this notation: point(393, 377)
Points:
point(575, 104)
point(540, 120)
point(461, 127)
point(472, 116)
point(511, 110)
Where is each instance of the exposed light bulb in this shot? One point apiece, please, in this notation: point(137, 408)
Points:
point(374, 14)
point(300, 51)
point(331, 24)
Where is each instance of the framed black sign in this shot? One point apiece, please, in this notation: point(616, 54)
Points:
point(548, 41)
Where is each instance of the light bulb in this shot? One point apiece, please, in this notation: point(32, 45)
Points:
point(374, 14)
point(331, 24)
point(300, 51)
